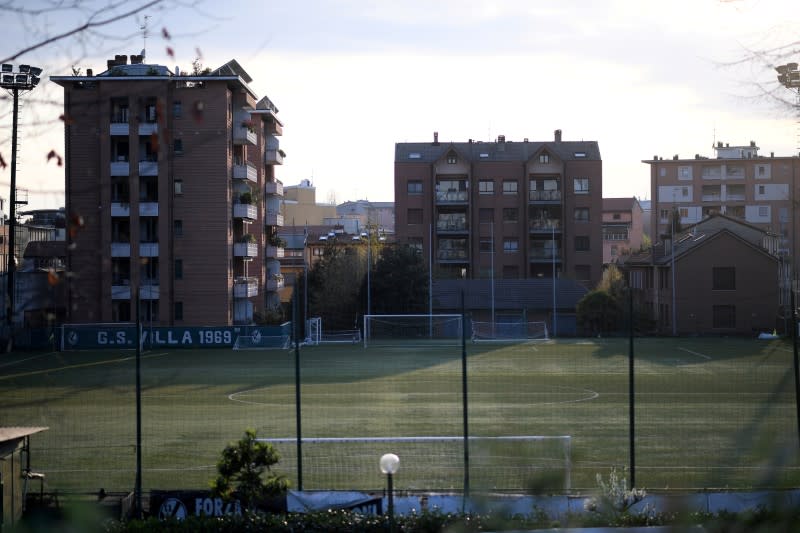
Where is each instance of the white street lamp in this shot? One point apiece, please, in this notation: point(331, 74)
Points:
point(389, 465)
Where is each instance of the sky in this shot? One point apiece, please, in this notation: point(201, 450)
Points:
point(353, 77)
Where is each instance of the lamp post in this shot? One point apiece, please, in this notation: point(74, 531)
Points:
point(390, 464)
point(24, 79)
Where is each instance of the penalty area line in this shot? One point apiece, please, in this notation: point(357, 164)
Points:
point(79, 365)
point(698, 354)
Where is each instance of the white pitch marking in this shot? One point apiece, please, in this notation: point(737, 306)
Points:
point(698, 354)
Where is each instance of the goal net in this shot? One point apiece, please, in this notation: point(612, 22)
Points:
point(317, 335)
point(405, 329)
point(509, 331)
point(512, 463)
point(262, 342)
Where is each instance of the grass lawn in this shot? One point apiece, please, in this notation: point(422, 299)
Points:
point(709, 413)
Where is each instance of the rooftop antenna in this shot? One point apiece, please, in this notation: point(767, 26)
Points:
point(143, 27)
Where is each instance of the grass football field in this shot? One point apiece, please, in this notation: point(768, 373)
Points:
point(708, 413)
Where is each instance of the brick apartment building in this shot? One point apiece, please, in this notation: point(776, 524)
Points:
point(623, 227)
point(737, 182)
point(503, 209)
point(171, 189)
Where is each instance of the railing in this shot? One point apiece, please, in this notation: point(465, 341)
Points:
point(275, 283)
point(452, 226)
point(148, 168)
point(451, 255)
point(544, 196)
point(545, 225)
point(120, 168)
point(120, 291)
point(274, 188)
point(713, 197)
point(242, 134)
point(451, 196)
point(245, 287)
point(120, 249)
point(148, 249)
point(120, 209)
point(245, 172)
point(273, 157)
point(273, 218)
point(275, 252)
point(247, 211)
point(148, 128)
point(615, 236)
point(245, 249)
point(148, 209)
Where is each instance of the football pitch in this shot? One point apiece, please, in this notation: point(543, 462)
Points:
point(709, 413)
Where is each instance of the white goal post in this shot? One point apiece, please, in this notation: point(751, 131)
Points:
point(507, 463)
point(402, 329)
point(509, 331)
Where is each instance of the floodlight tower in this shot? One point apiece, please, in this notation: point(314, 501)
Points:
point(24, 79)
point(789, 77)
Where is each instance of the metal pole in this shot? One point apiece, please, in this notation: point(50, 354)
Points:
point(796, 362)
point(138, 489)
point(631, 391)
point(12, 219)
point(430, 280)
point(555, 308)
point(369, 267)
point(298, 421)
point(672, 253)
point(390, 509)
point(465, 401)
point(491, 228)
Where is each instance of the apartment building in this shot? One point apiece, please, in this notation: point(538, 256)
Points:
point(623, 228)
point(502, 209)
point(737, 182)
point(171, 194)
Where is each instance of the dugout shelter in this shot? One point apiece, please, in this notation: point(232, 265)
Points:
point(15, 472)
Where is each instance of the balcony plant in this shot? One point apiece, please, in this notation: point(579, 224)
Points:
point(248, 238)
point(276, 241)
point(246, 198)
point(249, 125)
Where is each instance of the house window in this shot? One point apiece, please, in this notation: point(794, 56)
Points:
point(178, 146)
point(415, 187)
point(177, 226)
point(486, 187)
point(177, 109)
point(685, 192)
point(723, 278)
point(510, 214)
point(510, 187)
point(684, 173)
point(510, 245)
point(486, 214)
point(580, 154)
point(614, 250)
point(763, 211)
point(581, 185)
point(724, 316)
point(415, 216)
point(663, 215)
point(485, 245)
point(178, 184)
point(179, 269)
point(544, 158)
point(581, 214)
point(581, 243)
point(762, 189)
point(414, 155)
point(178, 310)
point(452, 159)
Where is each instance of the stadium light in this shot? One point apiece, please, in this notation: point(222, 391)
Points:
point(390, 464)
point(25, 79)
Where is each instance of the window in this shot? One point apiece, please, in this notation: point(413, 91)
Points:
point(544, 158)
point(178, 146)
point(415, 216)
point(616, 216)
point(486, 187)
point(663, 215)
point(581, 185)
point(685, 192)
point(177, 226)
point(510, 214)
point(580, 154)
point(452, 159)
point(509, 186)
point(414, 155)
point(178, 310)
point(763, 211)
point(486, 214)
point(485, 245)
point(510, 245)
point(179, 269)
point(177, 109)
point(724, 316)
point(178, 184)
point(723, 278)
point(415, 243)
point(581, 243)
point(614, 251)
point(684, 173)
point(414, 187)
point(762, 189)
point(581, 214)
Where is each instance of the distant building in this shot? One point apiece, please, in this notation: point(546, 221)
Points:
point(300, 207)
point(622, 227)
point(728, 279)
point(375, 215)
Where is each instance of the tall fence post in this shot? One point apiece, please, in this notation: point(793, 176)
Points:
point(138, 484)
point(297, 393)
point(631, 391)
point(796, 363)
point(465, 401)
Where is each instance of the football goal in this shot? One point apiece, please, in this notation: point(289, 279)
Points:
point(509, 331)
point(262, 342)
point(404, 329)
point(317, 335)
point(436, 463)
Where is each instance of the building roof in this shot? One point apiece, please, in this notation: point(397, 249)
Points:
point(18, 432)
point(496, 151)
point(535, 293)
point(698, 234)
point(620, 204)
point(45, 249)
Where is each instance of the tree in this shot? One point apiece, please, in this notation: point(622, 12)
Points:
point(244, 470)
point(399, 282)
point(599, 312)
point(333, 284)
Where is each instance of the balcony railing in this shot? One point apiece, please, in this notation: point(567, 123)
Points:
point(451, 255)
point(275, 252)
point(148, 168)
point(544, 196)
point(539, 254)
point(273, 218)
point(545, 225)
point(242, 135)
point(245, 287)
point(148, 128)
point(120, 249)
point(120, 168)
point(615, 236)
point(121, 292)
point(245, 172)
point(274, 188)
point(119, 128)
point(149, 291)
point(713, 197)
point(148, 209)
point(120, 209)
point(245, 249)
point(274, 283)
point(452, 227)
point(148, 249)
point(273, 157)
point(451, 196)
point(246, 211)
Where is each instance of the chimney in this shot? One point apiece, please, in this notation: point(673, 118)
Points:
point(501, 138)
point(111, 63)
point(525, 139)
point(719, 144)
point(89, 72)
point(436, 138)
point(558, 136)
point(752, 144)
point(675, 157)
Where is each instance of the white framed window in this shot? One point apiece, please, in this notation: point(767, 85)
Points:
point(544, 158)
point(510, 245)
point(510, 187)
point(486, 187)
point(581, 185)
point(684, 173)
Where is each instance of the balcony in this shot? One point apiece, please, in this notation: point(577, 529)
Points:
point(245, 249)
point(148, 249)
point(119, 128)
point(275, 252)
point(148, 290)
point(120, 249)
point(545, 225)
point(449, 226)
point(148, 168)
point(120, 209)
point(245, 172)
point(245, 211)
point(615, 236)
point(245, 287)
point(452, 196)
point(273, 218)
point(544, 254)
point(545, 196)
point(275, 282)
point(120, 168)
point(243, 135)
point(121, 290)
point(148, 128)
point(273, 157)
point(458, 256)
point(148, 209)
point(273, 127)
point(274, 188)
